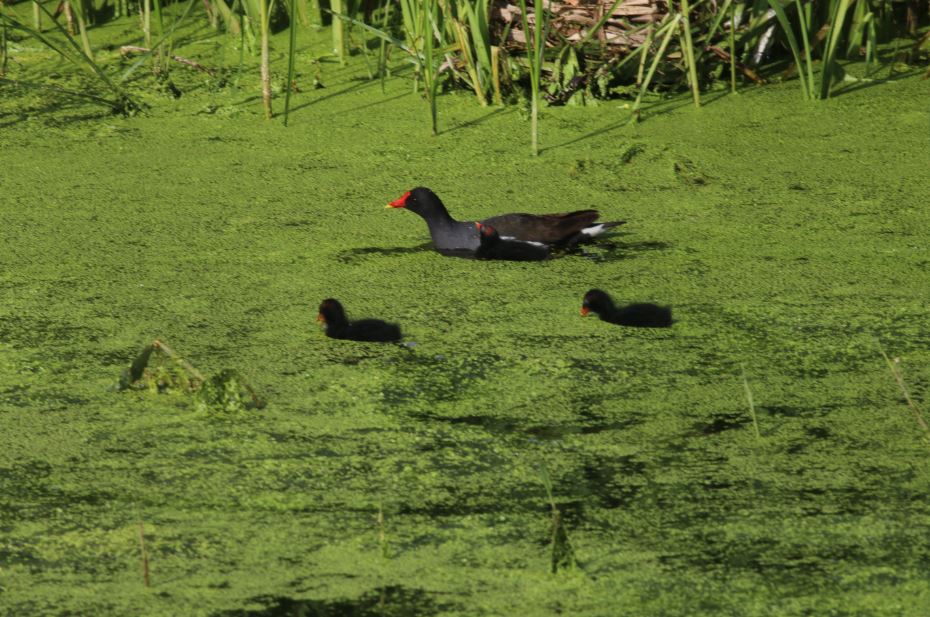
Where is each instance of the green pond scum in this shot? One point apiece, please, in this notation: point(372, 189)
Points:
point(790, 239)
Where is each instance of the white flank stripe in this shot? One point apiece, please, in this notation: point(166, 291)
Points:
point(513, 239)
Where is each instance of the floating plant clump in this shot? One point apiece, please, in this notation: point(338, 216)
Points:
point(159, 369)
point(227, 391)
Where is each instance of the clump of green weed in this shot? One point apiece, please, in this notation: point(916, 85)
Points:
point(158, 369)
point(227, 391)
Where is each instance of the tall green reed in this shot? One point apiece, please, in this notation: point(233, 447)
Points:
point(562, 556)
point(749, 401)
point(265, 25)
point(894, 367)
point(668, 27)
point(732, 49)
point(430, 64)
point(469, 24)
point(339, 30)
point(829, 71)
point(291, 53)
point(3, 44)
point(146, 574)
point(688, 52)
point(536, 48)
point(807, 84)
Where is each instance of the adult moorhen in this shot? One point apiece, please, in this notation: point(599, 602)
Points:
point(641, 315)
point(451, 237)
point(494, 247)
point(336, 325)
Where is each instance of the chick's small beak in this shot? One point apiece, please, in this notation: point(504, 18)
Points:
point(400, 202)
point(584, 311)
point(320, 318)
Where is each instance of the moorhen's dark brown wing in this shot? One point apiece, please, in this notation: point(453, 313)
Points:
point(546, 228)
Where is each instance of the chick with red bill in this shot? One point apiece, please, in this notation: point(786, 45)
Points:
point(637, 315)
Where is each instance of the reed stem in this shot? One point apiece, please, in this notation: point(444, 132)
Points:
point(291, 52)
point(265, 68)
point(689, 53)
point(733, 48)
point(146, 578)
point(82, 28)
point(893, 366)
point(146, 15)
point(3, 45)
point(752, 407)
point(496, 74)
point(670, 27)
point(339, 31)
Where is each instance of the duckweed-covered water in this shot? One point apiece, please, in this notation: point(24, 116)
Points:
point(791, 240)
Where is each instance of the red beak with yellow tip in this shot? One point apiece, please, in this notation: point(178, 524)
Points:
point(584, 311)
point(399, 202)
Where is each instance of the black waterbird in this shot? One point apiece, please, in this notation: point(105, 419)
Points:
point(641, 314)
point(336, 325)
point(452, 237)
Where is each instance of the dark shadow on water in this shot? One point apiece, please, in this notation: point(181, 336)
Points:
point(604, 251)
point(722, 422)
point(785, 411)
point(477, 121)
point(539, 432)
point(376, 103)
point(353, 255)
point(658, 108)
point(356, 85)
point(875, 81)
point(614, 481)
point(393, 601)
point(611, 250)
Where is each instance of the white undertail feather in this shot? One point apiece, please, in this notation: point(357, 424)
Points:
point(593, 230)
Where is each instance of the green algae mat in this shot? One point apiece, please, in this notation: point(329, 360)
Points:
point(790, 239)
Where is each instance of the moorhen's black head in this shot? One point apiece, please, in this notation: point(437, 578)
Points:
point(420, 200)
point(597, 301)
point(331, 313)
